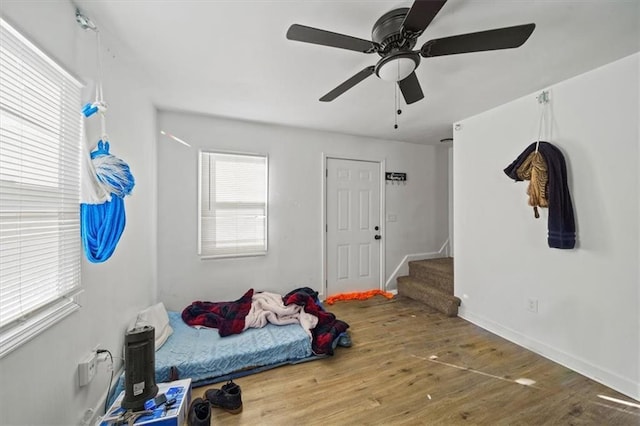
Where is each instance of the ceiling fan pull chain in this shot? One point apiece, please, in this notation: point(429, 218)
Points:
point(397, 111)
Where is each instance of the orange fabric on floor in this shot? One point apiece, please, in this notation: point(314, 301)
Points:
point(358, 295)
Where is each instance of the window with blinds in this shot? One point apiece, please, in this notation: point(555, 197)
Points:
point(233, 205)
point(40, 148)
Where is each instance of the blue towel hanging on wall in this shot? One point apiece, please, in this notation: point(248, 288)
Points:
point(102, 224)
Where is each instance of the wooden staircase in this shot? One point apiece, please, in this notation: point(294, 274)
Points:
point(430, 281)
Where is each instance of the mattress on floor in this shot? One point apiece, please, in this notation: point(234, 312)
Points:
point(201, 354)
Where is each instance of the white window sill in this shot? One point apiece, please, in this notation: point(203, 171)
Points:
point(229, 256)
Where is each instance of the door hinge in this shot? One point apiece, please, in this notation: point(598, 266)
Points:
point(326, 228)
point(326, 172)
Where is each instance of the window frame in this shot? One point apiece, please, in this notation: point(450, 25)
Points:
point(40, 314)
point(204, 255)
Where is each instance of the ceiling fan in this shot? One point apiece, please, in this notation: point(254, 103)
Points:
point(394, 36)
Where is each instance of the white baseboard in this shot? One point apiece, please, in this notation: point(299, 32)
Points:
point(619, 383)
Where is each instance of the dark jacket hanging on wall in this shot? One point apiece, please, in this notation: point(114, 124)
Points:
point(562, 227)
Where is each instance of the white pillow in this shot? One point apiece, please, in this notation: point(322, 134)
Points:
point(155, 316)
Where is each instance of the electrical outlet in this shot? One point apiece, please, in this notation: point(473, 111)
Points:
point(87, 368)
point(532, 305)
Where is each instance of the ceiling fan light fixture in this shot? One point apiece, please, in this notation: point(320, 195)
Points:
point(393, 37)
point(397, 67)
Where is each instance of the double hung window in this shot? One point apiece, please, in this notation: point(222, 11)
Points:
point(233, 205)
point(40, 148)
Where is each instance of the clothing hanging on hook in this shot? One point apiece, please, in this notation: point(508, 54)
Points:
point(107, 180)
point(561, 222)
point(544, 166)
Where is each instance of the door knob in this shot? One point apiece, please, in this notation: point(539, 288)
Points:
point(377, 237)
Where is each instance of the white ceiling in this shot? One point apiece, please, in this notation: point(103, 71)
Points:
point(232, 59)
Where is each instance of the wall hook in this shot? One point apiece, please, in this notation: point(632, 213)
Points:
point(85, 22)
point(543, 98)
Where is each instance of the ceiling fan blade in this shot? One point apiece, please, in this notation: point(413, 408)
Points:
point(421, 14)
point(327, 38)
point(347, 84)
point(410, 88)
point(499, 38)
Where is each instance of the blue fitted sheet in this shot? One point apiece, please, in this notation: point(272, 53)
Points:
point(201, 354)
point(205, 357)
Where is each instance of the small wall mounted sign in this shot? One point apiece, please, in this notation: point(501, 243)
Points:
point(395, 177)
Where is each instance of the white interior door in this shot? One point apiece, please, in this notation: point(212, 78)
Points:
point(353, 231)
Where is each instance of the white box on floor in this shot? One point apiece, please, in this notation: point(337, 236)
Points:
point(174, 415)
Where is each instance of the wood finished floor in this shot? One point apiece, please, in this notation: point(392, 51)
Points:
point(388, 378)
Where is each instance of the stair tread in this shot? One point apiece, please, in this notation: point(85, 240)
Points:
point(430, 295)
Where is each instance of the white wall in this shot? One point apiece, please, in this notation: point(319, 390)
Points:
point(450, 188)
point(588, 297)
point(295, 195)
point(39, 380)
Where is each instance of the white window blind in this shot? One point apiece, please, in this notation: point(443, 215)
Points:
point(40, 141)
point(233, 205)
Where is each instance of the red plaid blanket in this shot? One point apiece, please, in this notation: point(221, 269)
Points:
point(328, 328)
point(227, 317)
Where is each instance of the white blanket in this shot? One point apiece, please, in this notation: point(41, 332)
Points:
point(269, 308)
